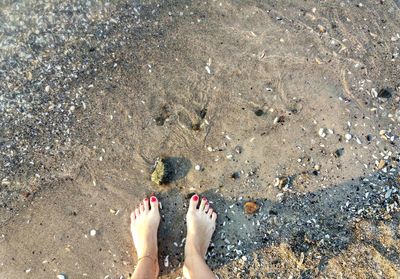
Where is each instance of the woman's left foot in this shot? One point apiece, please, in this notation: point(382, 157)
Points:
point(144, 225)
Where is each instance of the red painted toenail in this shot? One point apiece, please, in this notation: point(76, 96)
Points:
point(206, 203)
point(153, 199)
point(204, 198)
point(195, 197)
point(146, 199)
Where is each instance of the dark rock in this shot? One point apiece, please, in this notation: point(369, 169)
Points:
point(259, 112)
point(235, 175)
point(203, 113)
point(385, 93)
point(368, 137)
point(339, 152)
point(196, 126)
point(160, 121)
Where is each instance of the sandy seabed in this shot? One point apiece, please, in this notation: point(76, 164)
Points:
point(293, 105)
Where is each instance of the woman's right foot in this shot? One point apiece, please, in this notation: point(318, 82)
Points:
point(200, 227)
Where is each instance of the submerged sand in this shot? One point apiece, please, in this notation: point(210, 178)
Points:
point(294, 106)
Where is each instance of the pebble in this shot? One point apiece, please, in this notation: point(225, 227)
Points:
point(348, 136)
point(166, 261)
point(339, 152)
point(197, 167)
point(61, 276)
point(93, 232)
point(281, 182)
point(235, 175)
point(322, 132)
point(259, 112)
point(385, 93)
point(238, 149)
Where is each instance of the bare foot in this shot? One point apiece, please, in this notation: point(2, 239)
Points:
point(200, 227)
point(144, 225)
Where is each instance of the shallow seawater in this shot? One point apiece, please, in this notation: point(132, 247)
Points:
point(276, 103)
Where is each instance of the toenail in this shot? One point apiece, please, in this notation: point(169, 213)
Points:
point(204, 199)
point(207, 203)
point(195, 197)
point(146, 199)
point(153, 199)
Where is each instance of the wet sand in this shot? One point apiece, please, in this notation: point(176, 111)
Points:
point(294, 106)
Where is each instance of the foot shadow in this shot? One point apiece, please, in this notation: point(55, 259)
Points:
point(320, 222)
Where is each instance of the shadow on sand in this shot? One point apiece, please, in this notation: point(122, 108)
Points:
point(319, 221)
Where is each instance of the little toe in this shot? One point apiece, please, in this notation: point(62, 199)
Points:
point(146, 205)
point(154, 203)
point(193, 202)
point(133, 217)
point(203, 203)
point(214, 216)
point(210, 212)
point(137, 212)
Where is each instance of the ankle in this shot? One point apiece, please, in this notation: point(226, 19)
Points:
point(193, 249)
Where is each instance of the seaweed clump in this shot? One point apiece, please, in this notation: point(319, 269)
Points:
point(161, 172)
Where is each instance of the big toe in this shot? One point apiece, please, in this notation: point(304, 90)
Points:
point(194, 201)
point(154, 205)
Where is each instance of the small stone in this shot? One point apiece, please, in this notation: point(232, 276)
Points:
point(322, 132)
point(381, 164)
point(259, 112)
point(388, 193)
point(166, 261)
point(238, 149)
point(61, 276)
point(281, 182)
point(385, 93)
point(235, 175)
point(5, 182)
point(197, 167)
point(339, 152)
point(321, 29)
point(196, 126)
point(348, 136)
point(368, 137)
point(93, 232)
point(317, 167)
point(203, 113)
point(250, 207)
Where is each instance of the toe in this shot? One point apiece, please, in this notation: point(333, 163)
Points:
point(206, 207)
point(154, 203)
point(146, 205)
point(137, 212)
point(203, 203)
point(133, 216)
point(214, 216)
point(210, 212)
point(141, 207)
point(193, 202)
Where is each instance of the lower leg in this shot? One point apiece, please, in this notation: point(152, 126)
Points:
point(145, 269)
point(200, 227)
